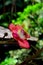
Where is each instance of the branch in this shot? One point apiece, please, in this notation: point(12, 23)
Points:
point(7, 41)
point(13, 5)
point(31, 57)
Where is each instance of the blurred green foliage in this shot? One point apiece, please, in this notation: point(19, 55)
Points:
point(9, 61)
point(31, 18)
point(16, 57)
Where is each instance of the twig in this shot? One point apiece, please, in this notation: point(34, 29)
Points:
point(33, 63)
point(13, 5)
point(39, 57)
point(4, 6)
point(31, 57)
point(7, 41)
point(34, 47)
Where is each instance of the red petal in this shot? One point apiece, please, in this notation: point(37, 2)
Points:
point(24, 44)
point(11, 27)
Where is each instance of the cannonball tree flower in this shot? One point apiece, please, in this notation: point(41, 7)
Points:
point(20, 35)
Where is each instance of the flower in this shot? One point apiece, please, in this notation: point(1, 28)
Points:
point(20, 35)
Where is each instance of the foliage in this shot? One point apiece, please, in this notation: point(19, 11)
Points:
point(15, 57)
point(9, 61)
point(30, 19)
point(28, 14)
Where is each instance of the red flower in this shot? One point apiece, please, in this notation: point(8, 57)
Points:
point(20, 35)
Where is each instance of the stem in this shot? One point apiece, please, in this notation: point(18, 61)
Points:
point(31, 57)
point(12, 8)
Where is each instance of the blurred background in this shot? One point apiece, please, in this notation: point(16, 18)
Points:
point(29, 14)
